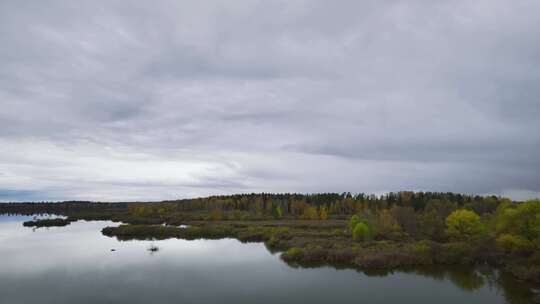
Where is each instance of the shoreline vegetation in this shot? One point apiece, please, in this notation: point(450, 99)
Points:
point(366, 232)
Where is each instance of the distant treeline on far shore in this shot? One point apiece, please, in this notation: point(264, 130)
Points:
point(306, 206)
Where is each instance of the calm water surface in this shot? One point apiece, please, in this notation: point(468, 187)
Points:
point(75, 264)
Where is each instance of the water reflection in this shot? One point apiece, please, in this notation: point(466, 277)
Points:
point(76, 264)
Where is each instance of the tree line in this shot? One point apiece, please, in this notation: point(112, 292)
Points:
point(286, 205)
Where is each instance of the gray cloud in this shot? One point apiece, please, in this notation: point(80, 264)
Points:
point(104, 100)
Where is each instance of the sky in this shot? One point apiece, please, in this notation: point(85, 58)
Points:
point(147, 100)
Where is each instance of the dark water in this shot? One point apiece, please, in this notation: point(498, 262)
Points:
point(75, 264)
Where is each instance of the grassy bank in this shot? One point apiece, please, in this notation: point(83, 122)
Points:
point(313, 245)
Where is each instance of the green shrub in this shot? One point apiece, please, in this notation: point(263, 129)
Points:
point(280, 232)
point(423, 251)
point(292, 254)
point(423, 247)
point(339, 232)
point(353, 222)
point(514, 244)
point(360, 232)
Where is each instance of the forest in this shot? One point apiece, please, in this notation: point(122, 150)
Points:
point(386, 232)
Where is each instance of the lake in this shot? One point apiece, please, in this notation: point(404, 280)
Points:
point(75, 264)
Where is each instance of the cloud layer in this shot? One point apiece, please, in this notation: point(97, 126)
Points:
point(106, 100)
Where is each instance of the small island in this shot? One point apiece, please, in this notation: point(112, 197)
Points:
point(56, 222)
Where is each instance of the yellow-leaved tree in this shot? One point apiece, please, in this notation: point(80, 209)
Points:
point(463, 224)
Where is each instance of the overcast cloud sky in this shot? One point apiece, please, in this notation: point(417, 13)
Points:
point(136, 100)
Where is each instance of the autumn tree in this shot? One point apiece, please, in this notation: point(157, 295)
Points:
point(310, 213)
point(323, 213)
point(216, 215)
point(299, 207)
point(387, 225)
point(463, 224)
point(431, 225)
point(406, 218)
